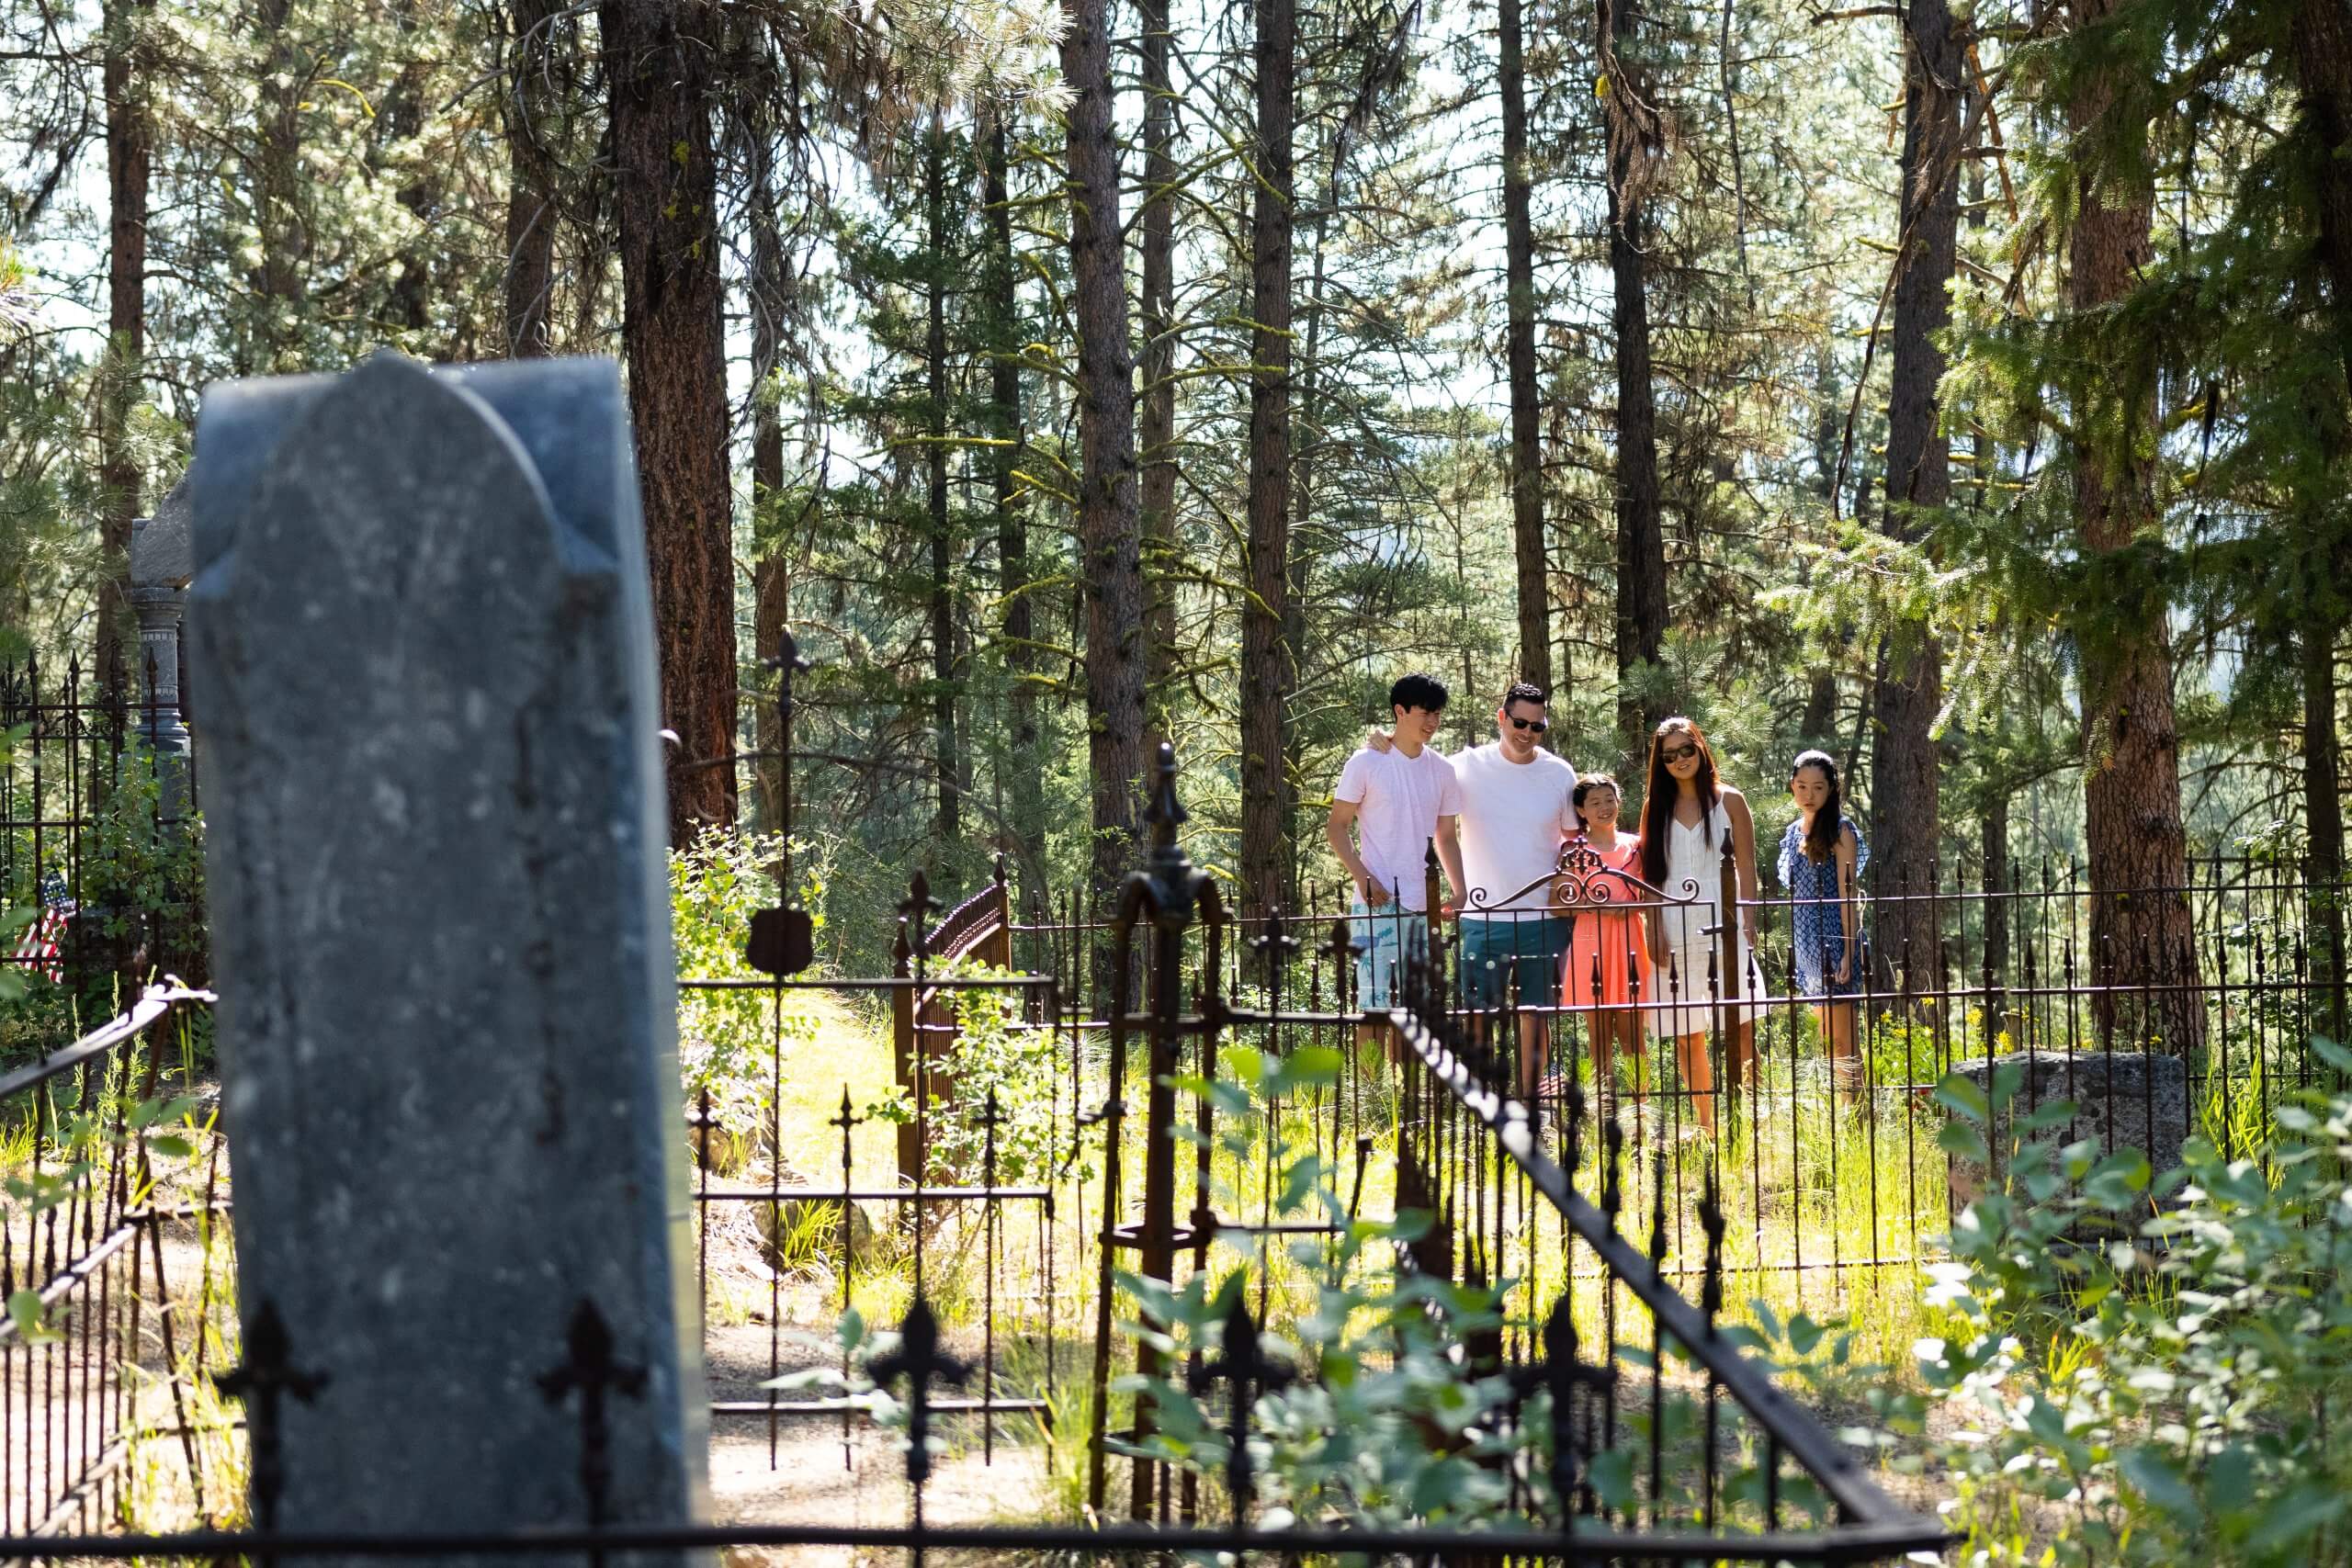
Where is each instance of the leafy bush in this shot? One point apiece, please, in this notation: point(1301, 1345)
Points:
point(727, 1039)
point(994, 1052)
point(2174, 1394)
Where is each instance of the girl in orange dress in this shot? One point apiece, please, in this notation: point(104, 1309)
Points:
point(1608, 963)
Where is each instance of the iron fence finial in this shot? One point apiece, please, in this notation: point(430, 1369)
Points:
point(261, 1383)
point(591, 1369)
point(921, 1362)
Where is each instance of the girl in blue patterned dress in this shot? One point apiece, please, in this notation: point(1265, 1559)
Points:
point(1821, 856)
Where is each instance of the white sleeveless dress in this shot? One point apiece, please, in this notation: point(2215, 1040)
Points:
point(1688, 987)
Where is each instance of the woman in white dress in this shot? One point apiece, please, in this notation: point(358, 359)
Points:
point(1686, 817)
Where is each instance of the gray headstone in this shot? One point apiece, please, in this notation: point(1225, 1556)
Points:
point(421, 648)
point(162, 555)
point(2123, 1100)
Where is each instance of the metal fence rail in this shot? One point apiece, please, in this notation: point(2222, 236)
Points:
point(83, 1236)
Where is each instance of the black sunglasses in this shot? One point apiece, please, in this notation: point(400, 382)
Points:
point(1536, 725)
point(1676, 753)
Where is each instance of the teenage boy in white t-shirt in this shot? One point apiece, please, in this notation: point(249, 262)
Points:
point(1518, 809)
point(1397, 800)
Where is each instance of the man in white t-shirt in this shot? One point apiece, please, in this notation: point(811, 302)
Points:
point(1518, 809)
point(1396, 801)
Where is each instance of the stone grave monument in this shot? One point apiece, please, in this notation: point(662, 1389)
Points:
point(2123, 1100)
point(421, 648)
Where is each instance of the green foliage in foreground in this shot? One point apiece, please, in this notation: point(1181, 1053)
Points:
point(2174, 1392)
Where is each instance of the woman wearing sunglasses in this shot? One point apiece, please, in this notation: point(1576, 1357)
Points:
point(1687, 817)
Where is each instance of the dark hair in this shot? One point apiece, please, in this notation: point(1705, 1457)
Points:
point(1586, 781)
point(1828, 822)
point(1658, 795)
point(1418, 691)
point(1524, 692)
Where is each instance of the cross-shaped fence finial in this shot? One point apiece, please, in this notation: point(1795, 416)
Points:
point(1243, 1366)
point(592, 1371)
point(261, 1381)
point(921, 1362)
point(1559, 1375)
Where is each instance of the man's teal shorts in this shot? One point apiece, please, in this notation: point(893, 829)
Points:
point(1496, 947)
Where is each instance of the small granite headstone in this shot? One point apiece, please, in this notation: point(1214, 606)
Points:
point(2123, 1100)
point(422, 644)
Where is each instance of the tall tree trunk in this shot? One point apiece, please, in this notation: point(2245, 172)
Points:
point(947, 823)
point(532, 108)
point(1632, 138)
point(279, 215)
point(1108, 526)
point(1906, 817)
point(768, 290)
point(1302, 536)
point(1025, 816)
point(2322, 37)
point(1158, 436)
point(2141, 933)
point(1526, 412)
point(1993, 843)
point(2324, 821)
point(129, 148)
point(1265, 657)
point(660, 60)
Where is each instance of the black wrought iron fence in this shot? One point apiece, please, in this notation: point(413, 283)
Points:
point(91, 1328)
point(96, 795)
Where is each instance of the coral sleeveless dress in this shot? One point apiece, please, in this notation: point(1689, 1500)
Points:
point(1611, 941)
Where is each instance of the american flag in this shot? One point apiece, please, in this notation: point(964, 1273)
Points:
point(37, 948)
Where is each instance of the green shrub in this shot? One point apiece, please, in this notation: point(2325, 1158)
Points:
point(727, 1039)
point(2175, 1396)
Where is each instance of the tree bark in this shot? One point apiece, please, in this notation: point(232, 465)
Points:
point(2322, 39)
point(1265, 660)
point(772, 555)
point(947, 820)
point(659, 61)
point(1109, 532)
point(1641, 532)
point(532, 107)
point(2324, 820)
point(279, 212)
point(129, 154)
point(1526, 410)
point(2321, 35)
point(2140, 931)
point(1027, 814)
point(1158, 436)
point(1905, 818)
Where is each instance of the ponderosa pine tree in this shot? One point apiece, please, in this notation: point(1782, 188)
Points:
point(1529, 548)
point(2140, 931)
point(1905, 818)
point(130, 155)
point(1635, 136)
point(660, 70)
point(1266, 655)
point(1156, 225)
point(1109, 525)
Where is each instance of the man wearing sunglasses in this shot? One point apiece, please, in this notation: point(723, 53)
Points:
point(1518, 809)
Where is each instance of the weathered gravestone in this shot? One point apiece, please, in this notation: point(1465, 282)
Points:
point(2123, 1100)
point(162, 562)
point(421, 645)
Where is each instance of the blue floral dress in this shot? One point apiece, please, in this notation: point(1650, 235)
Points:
point(1819, 932)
